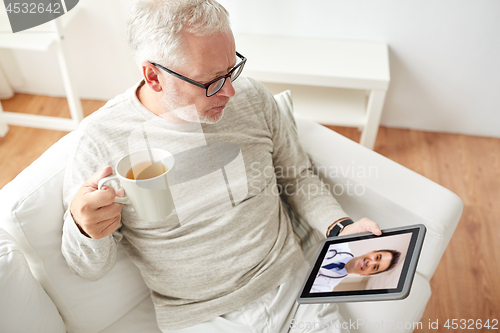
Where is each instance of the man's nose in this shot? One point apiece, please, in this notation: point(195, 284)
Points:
point(227, 89)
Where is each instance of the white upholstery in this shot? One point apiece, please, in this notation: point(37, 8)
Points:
point(24, 305)
point(141, 319)
point(31, 212)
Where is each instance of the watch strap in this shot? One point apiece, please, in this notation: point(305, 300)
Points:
point(339, 227)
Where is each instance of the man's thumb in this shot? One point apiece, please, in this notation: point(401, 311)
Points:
point(96, 177)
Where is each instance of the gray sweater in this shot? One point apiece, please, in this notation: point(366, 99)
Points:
point(202, 265)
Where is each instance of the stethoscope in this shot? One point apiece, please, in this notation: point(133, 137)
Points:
point(335, 252)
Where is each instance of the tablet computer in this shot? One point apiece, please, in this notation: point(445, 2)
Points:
point(364, 267)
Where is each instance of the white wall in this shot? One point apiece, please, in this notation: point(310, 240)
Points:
point(444, 54)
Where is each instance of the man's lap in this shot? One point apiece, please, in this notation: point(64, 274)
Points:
point(276, 311)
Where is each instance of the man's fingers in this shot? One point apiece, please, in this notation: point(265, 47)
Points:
point(373, 227)
point(91, 207)
point(108, 212)
point(96, 177)
point(100, 198)
point(104, 228)
point(94, 222)
point(376, 230)
point(110, 226)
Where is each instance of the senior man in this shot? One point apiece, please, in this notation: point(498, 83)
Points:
point(239, 269)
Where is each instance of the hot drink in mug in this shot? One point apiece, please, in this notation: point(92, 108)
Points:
point(145, 176)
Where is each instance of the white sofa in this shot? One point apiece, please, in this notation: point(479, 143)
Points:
point(39, 293)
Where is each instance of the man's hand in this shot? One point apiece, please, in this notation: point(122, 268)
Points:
point(93, 210)
point(363, 225)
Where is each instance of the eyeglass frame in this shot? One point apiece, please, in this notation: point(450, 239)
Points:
point(206, 85)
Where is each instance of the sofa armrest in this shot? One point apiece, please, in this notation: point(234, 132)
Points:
point(32, 212)
point(402, 316)
point(368, 184)
point(24, 304)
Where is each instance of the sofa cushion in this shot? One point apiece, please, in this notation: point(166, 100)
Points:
point(285, 105)
point(24, 305)
point(32, 212)
point(141, 319)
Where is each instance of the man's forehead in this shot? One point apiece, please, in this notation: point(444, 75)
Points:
point(210, 56)
point(385, 253)
point(210, 70)
point(225, 71)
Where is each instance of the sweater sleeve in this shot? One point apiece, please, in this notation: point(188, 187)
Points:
point(89, 258)
point(299, 186)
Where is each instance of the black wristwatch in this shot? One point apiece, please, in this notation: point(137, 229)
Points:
point(339, 227)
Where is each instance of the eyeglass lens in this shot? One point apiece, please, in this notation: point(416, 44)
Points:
point(217, 85)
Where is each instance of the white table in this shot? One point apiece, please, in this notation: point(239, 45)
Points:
point(41, 38)
point(333, 82)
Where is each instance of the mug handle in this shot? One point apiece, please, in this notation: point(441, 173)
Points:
point(122, 200)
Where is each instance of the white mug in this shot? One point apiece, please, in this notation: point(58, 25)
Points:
point(151, 197)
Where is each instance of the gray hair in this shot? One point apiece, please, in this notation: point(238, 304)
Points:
point(154, 27)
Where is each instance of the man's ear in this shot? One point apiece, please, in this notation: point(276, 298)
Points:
point(151, 76)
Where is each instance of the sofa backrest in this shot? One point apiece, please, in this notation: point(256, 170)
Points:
point(32, 212)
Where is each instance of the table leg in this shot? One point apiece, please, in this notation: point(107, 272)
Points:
point(373, 113)
point(75, 105)
point(4, 128)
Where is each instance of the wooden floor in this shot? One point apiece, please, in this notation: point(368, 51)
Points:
point(466, 285)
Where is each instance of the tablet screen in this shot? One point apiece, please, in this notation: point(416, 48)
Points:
point(363, 265)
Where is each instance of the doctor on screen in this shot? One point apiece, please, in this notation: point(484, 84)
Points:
point(340, 262)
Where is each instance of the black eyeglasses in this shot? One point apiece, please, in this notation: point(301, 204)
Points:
point(212, 87)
